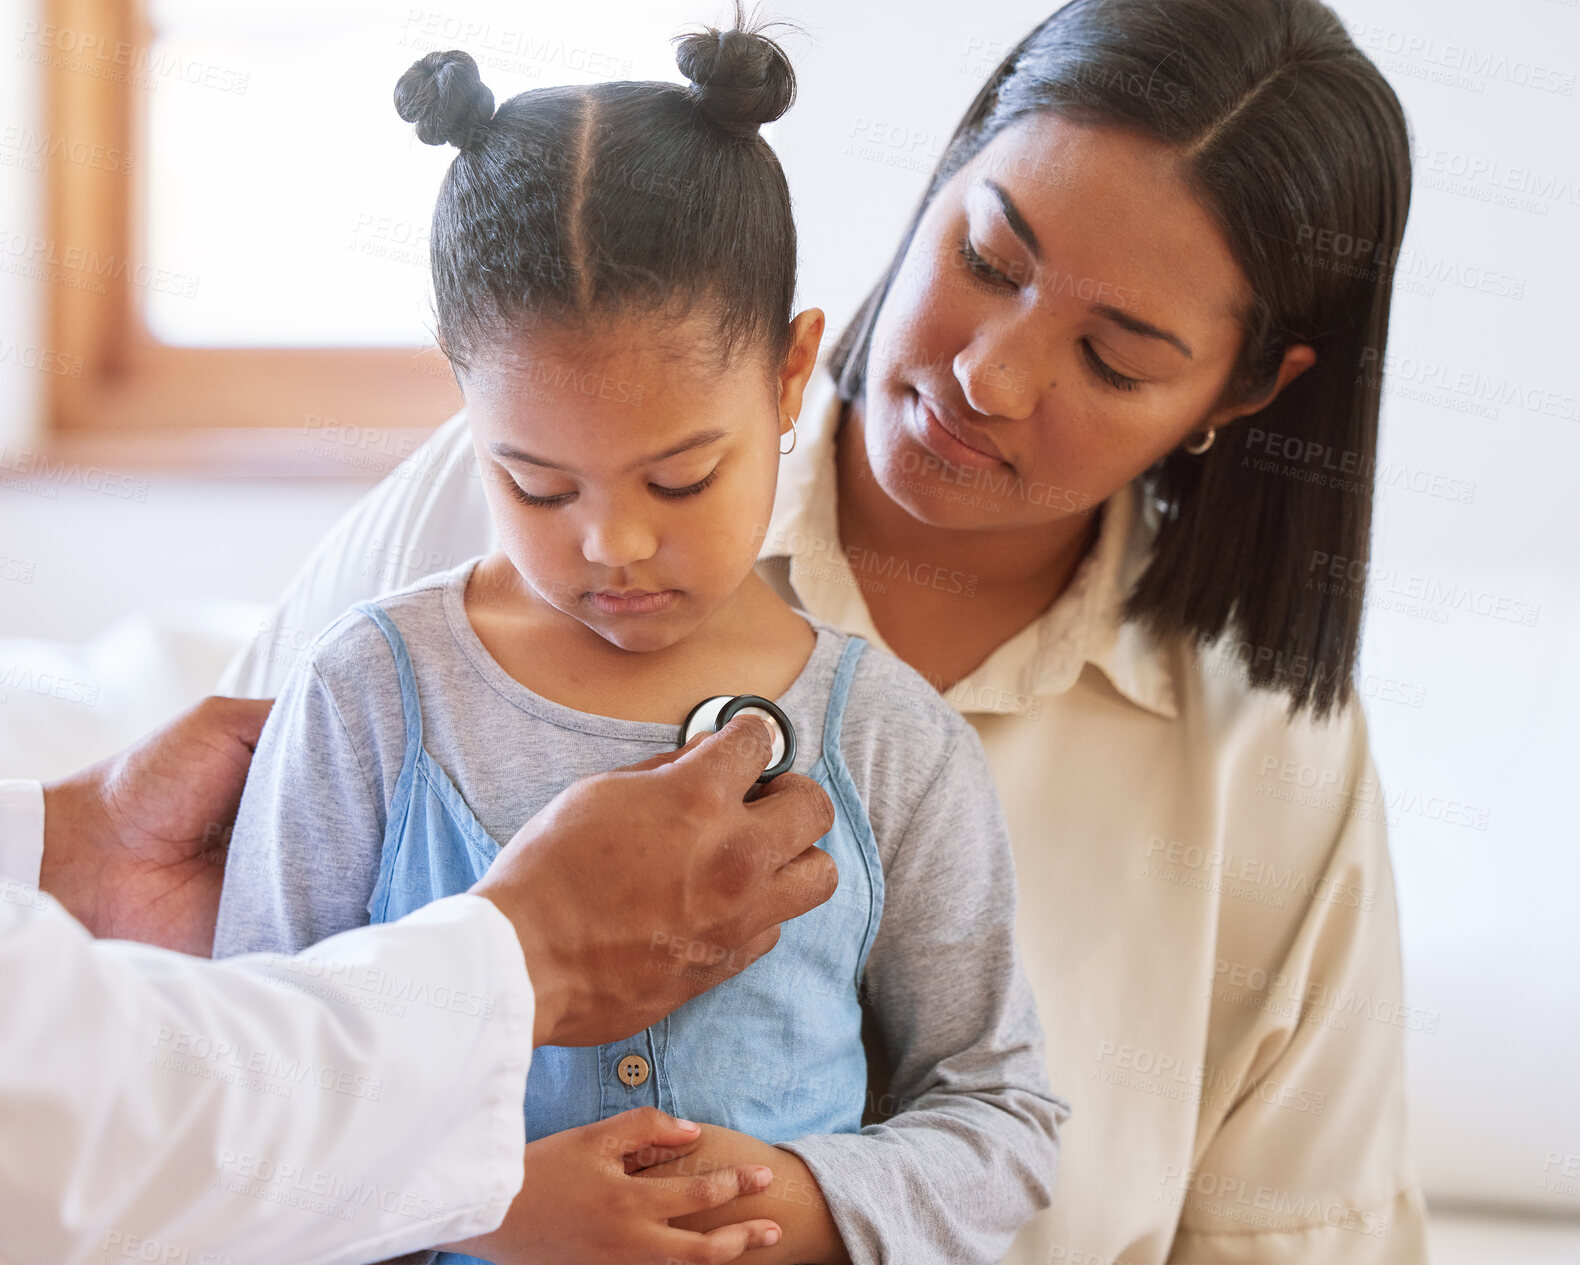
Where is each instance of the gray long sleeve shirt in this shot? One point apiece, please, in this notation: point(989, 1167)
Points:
point(970, 1153)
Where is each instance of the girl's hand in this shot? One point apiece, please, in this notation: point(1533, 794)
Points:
point(793, 1199)
point(586, 1200)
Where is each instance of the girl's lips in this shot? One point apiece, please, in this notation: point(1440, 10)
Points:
point(633, 602)
point(951, 441)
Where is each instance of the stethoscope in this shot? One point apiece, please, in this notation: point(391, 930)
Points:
point(712, 714)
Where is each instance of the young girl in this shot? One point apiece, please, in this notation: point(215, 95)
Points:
point(614, 271)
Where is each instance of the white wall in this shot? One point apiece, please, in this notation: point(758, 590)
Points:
point(1492, 937)
point(89, 557)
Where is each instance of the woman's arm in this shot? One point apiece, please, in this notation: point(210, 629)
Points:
point(1303, 1154)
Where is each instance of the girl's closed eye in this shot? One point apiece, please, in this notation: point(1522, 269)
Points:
point(691, 489)
point(542, 502)
point(565, 498)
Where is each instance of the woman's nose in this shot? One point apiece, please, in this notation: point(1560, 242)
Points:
point(998, 381)
point(618, 541)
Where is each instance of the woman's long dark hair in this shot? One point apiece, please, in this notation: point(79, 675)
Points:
point(1299, 149)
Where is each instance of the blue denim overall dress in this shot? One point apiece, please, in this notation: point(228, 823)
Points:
point(774, 1052)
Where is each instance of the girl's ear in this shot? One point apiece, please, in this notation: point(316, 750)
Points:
point(806, 336)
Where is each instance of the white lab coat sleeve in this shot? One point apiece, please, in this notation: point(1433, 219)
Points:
point(357, 1101)
point(21, 832)
point(427, 515)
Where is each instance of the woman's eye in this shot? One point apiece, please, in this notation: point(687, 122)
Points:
point(690, 490)
point(1107, 372)
point(977, 264)
point(541, 502)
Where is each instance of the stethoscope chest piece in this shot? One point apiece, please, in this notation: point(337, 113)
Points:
point(712, 714)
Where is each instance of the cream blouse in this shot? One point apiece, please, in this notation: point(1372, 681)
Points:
point(1206, 912)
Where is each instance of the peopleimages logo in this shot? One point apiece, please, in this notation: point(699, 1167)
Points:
point(1456, 64)
point(140, 66)
point(34, 147)
point(63, 473)
point(47, 685)
point(318, 1190)
point(1170, 1076)
point(1266, 1207)
point(1259, 872)
point(1494, 181)
point(82, 268)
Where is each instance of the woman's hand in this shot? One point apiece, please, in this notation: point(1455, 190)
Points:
point(591, 1198)
point(794, 1199)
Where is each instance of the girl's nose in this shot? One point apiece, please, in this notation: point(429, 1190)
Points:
point(617, 542)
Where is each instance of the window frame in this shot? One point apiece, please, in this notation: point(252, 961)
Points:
point(251, 411)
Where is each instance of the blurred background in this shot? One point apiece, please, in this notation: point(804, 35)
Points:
point(214, 335)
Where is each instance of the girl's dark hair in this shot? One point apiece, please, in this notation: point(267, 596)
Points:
point(573, 204)
point(1298, 147)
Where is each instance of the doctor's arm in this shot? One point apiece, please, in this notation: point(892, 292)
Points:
point(230, 1109)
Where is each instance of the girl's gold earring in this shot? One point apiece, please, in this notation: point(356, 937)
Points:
point(1201, 443)
point(785, 452)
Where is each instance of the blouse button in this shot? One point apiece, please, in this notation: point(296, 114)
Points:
point(632, 1069)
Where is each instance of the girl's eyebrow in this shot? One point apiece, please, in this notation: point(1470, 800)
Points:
point(701, 439)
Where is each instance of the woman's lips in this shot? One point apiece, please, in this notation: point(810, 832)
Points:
point(632, 601)
point(952, 440)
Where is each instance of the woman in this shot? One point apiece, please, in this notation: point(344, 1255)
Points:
point(1072, 469)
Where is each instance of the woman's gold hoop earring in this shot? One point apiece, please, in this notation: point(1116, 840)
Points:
point(1200, 445)
point(785, 452)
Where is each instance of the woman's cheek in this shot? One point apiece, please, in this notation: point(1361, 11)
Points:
point(922, 311)
point(1081, 457)
point(1113, 444)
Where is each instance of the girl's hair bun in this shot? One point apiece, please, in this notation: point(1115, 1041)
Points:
point(445, 97)
point(740, 78)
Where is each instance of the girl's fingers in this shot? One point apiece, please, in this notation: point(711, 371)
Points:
point(650, 1156)
point(743, 1236)
point(632, 1132)
point(717, 1247)
point(681, 1196)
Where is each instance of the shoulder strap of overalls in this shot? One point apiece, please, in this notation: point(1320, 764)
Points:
point(411, 708)
point(834, 717)
point(843, 787)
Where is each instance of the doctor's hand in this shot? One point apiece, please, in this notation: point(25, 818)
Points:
point(134, 847)
point(633, 891)
point(585, 1200)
